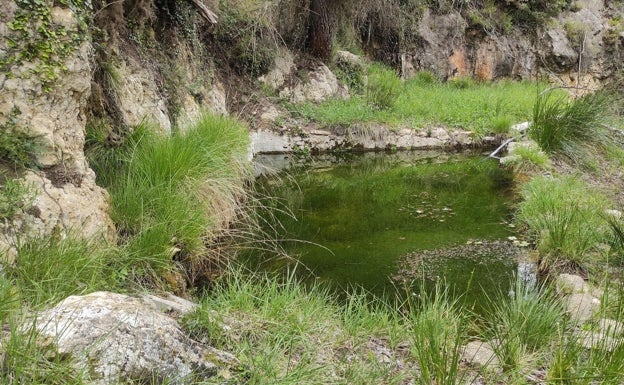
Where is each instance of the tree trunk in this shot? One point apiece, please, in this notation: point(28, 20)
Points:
point(320, 29)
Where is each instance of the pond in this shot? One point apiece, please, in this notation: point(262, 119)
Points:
point(383, 221)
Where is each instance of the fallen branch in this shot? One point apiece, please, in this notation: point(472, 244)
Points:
point(207, 14)
point(505, 143)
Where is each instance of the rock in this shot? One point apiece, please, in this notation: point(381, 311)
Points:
point(67, 198)
point(347, 59)
point(138, 97)
point(570, 284)
point(559, 53)
point(270, 114)
point(581, 306)
point(321, 85)
point(283, 67)
point(480, 355)
point(597, 340)
point(617, 214)
point(610, 327)
point(116, 337)
point(521, 127)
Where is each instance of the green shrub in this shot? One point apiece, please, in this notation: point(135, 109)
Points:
point(246, 38)
point(563, 217)
point(383, 87)
point(17, 148)
point(567, 128)
point(527, 157)
point(462, 83)
point(425, 78)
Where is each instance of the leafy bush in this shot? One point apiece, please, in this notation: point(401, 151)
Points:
point(567, 128)
point(564, 218)
point(383, 88)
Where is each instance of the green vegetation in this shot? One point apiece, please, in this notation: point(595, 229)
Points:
point(439, 330)
point(15, 196)
point(17, 148)
point(422, 101)
point(383, 87)
point(34, 38)
point(564, 218)
point(524, 322)
point(169, 193)
point(571, 128)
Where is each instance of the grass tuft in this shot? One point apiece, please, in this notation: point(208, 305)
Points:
point(564, 218)
point(569, 128)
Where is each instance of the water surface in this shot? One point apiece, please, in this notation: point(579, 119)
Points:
point(357, 222)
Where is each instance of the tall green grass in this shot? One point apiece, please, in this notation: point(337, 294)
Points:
point(481, 107)
point(169, 193)
point(525, 324)
point(439, 330)
point(570, 127)
point(564, 218)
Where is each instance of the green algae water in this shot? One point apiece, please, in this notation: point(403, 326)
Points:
point(381, 221)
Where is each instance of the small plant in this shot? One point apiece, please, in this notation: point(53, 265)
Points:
point(439, 331)
point(527, 157)
point(48, 270)
point(383, 87)
point(567, 128)
point(15, 196)
point(16, 147)
point(524, 322)
point(425, 78)
point(501, 124)
point(575, 32)
point(462, 83)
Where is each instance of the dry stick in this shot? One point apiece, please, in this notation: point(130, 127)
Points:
point(205, 12)
point(505, 143)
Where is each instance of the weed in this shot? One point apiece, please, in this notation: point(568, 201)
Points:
point(169, 193)
point(16, 147)
point(527, 157)
point(383, 87)
point(15, 196)
point(501, 124)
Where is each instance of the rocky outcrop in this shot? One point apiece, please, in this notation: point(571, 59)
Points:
point(67, 198)
point(115, 337)
point(318, 84)
point(359, 137)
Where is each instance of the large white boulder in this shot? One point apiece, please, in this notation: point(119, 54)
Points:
point(116, 337)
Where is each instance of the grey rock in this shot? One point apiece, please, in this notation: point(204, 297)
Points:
point(116, 337)
point(582, 306)
point(570, 284)
point(480, 354)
